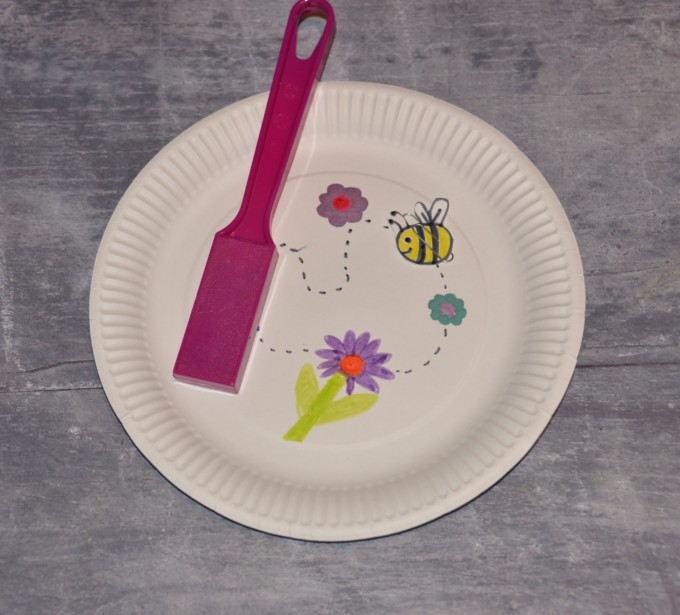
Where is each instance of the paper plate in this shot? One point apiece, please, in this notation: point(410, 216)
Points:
point(405, 220)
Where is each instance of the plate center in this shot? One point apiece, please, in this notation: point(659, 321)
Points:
point(365, 257)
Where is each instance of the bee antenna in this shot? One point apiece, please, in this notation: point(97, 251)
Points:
point(394, 223)
point(403, 217)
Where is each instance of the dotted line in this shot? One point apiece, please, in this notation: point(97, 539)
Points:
point(345, 255)
point(345, 268)
point(441, 275)
point(426, 363)
point(304, 276)
point(303, 273)
point(444, 330)
point(285, 350)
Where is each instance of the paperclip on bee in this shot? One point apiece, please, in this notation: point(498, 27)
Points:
point(425, 241)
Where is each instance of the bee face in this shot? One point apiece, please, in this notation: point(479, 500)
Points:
point(407, 243)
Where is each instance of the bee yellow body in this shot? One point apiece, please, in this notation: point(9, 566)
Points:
point(426, 241)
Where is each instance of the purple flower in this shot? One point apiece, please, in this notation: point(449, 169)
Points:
point(341, 205)
point(357, 358)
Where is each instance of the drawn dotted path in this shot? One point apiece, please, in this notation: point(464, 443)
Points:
point(434, 354)
point(345, 256)
point(347, 278)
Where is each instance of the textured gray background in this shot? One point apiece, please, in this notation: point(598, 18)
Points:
point(587, 523)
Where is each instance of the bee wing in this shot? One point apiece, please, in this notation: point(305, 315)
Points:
point(439, 209)
point(421, 213)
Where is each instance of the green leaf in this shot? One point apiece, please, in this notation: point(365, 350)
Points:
point(347, 407)
point(306, 389)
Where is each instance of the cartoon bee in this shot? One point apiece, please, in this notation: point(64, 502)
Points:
point(426, 241)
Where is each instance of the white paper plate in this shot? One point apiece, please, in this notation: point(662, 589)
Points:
point(470, 395)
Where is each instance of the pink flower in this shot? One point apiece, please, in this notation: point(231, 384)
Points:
point(341, 205)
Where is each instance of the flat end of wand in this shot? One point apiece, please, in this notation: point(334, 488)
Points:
point(223, 322)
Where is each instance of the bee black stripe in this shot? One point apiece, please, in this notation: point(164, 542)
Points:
point(421, 243)
point(434, 229)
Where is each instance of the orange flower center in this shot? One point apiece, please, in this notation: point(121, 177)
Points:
point(352, 364)
point(341, 203)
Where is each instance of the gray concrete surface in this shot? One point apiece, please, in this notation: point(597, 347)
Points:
point(588, 523)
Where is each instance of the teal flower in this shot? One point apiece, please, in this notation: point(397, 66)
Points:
point(447, 309)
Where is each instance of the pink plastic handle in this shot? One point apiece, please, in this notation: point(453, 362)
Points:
point(291, 92)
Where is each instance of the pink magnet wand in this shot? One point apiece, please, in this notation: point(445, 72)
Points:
point(242, 259)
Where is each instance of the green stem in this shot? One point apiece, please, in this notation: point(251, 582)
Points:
point(299, 431)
